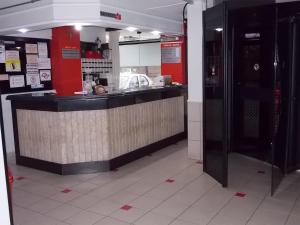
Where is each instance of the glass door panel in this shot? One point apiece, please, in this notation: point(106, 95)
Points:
point(215, 107)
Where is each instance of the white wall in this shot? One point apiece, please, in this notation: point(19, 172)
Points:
point(4, 207)
point(140, 55)
point(195, 87)
point(90, 34)
point(43, 34)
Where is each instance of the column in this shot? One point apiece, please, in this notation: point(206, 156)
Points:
point(66, 60)
point(115, 56)
point(195, 84)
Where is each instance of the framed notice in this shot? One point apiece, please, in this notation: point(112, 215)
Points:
point(16, 81)
point(43, 50)
point(2, 53)
point(32, 59)
point(44, 63)
point(171, 55)
point(31, 48)
point(33, 79)
point(45, 75)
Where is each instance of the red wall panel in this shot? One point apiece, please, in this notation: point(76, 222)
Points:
point(176, 70)
point(66, 73)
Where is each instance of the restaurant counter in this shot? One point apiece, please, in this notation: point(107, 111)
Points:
point(92, 133)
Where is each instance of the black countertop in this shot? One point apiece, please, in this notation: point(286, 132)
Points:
point(55, 103)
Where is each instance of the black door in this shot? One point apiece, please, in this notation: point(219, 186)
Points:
point(283, 103)
point(215, 116)
point(253, 80)
point(293, 155)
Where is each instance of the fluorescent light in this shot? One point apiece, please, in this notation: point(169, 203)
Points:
point(78, 27)
point(23, 30)
point(219, 29)
point(156, 32)
point(131, 29)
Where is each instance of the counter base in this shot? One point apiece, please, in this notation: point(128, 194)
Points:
point(99, 166)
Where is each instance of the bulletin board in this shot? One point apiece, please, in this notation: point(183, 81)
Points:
point(25, 65)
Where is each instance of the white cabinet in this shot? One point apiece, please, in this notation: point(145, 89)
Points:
point(140, 55)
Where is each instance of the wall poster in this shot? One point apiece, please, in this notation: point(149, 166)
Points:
point(33, 79)
point(12, 61)
point(45, 75)
point(31, 48)
point(43, 49)
point(32, 59)
point(2, 53)
point(44, 63)
point(16, 81)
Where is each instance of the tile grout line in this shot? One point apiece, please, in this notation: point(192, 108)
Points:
point(294, 205)
point(147, 211)
point(194, 202)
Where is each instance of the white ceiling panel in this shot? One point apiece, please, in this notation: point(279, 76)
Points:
point(170, 9)
point(5, 3)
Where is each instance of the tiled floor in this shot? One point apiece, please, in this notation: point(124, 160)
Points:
point(164, 188)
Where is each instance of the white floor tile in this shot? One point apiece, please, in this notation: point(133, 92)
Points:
point(84, 218)
point(105, 207)
point(45, 205)
point(84, 201)
point(128, 216)
point(111, 221)
point(145, 203)
point(152, 218)
point(63, 212)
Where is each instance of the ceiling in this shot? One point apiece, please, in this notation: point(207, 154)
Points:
point(5, 3)
point(170, 9)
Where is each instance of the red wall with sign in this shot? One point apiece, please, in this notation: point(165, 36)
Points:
point(66, 73)
point(176, 69)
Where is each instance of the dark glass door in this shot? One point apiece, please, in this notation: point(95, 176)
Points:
point(216, 108)
point(253, 78)
point(282, 101)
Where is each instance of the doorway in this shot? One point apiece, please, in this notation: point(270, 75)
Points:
point(257, 88)
point(252, 112)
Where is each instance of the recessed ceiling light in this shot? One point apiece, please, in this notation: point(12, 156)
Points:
point(156, 32)
point(219, 29)
point(78, 27)
point(23, 30)
point(131, 29)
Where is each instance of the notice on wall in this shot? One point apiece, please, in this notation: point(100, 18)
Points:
point(16, 81)
point(44, 63)
point(43, 50)
point(12, 61)
point(171, 55)
point(32, 68)
point(2, 53)
point(33, 79)
point(32, 59)
point(31, 48)
point(45, 75)
point(3, 77)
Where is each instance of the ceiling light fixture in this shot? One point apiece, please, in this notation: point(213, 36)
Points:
point(131, 29)
point(219, 29)
point(78, 27)
point(23, 30)
point(156, 32)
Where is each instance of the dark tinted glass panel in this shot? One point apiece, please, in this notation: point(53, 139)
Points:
point(215, 153)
